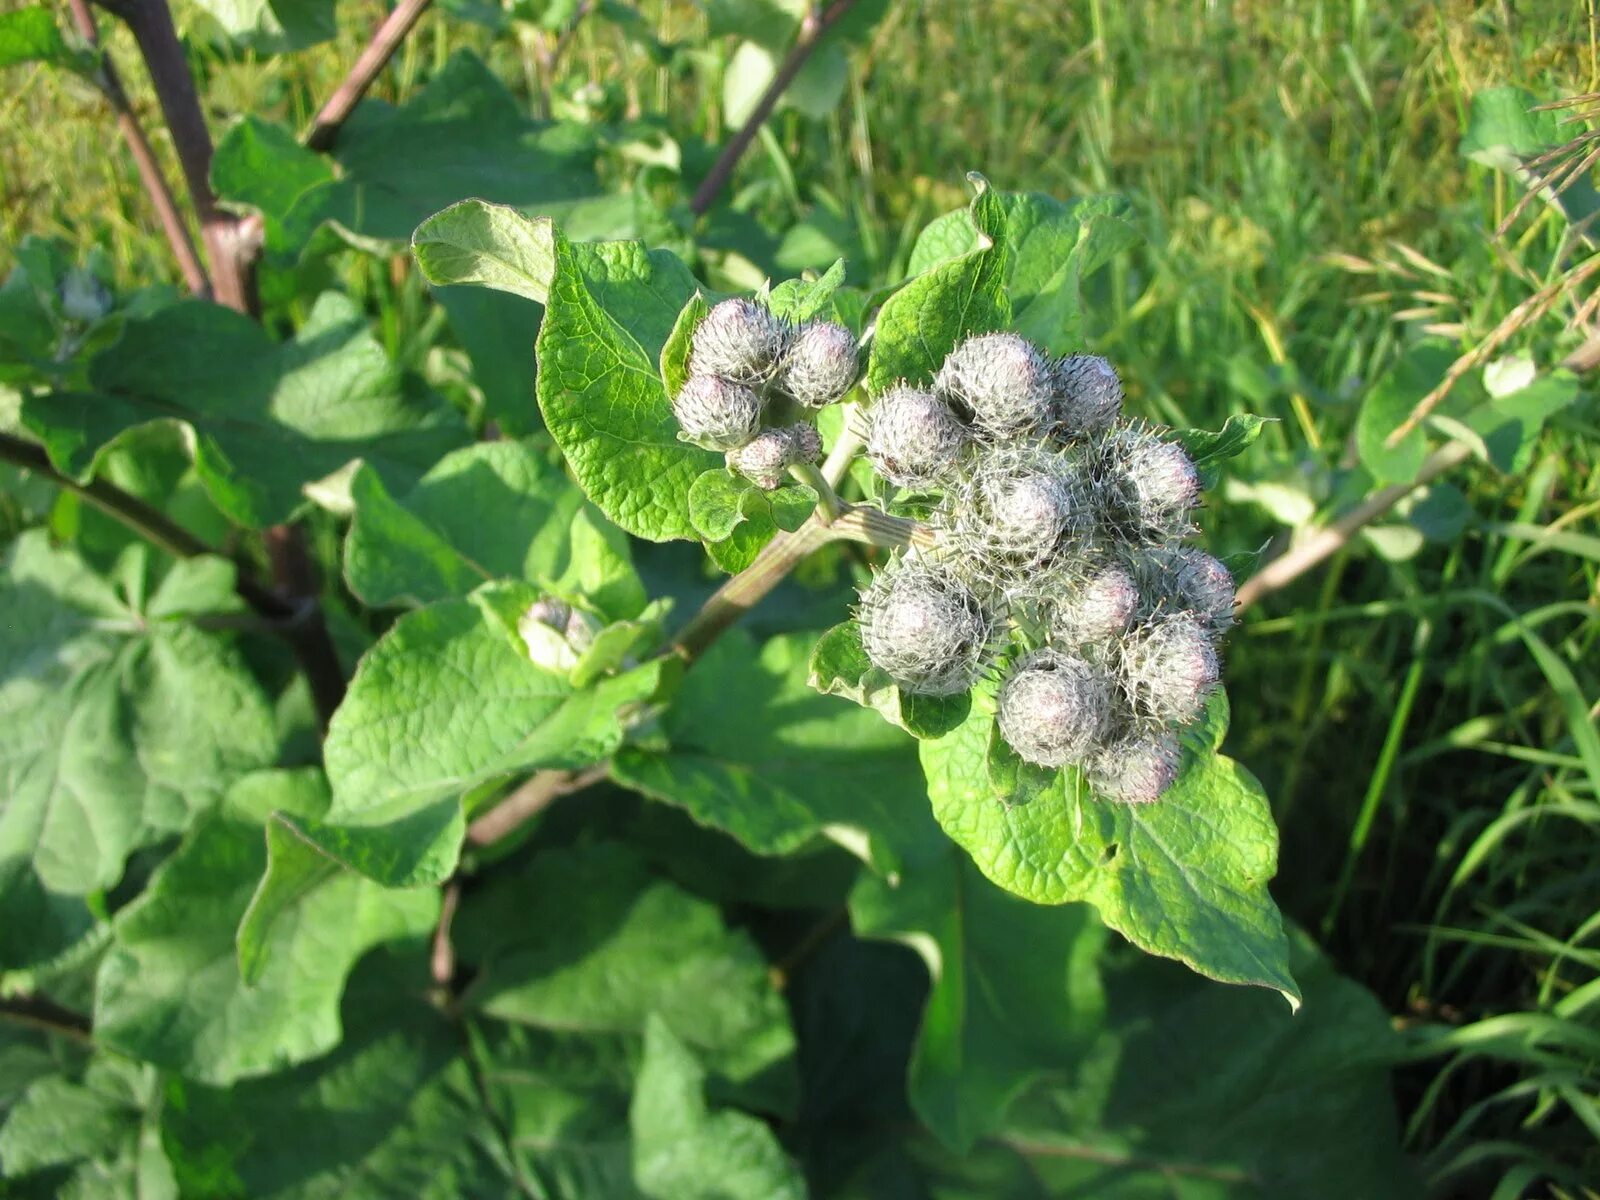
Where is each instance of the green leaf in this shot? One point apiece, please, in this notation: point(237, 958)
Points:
point(1016, 990)
point(1185, 877)
point(716, 503)
point(170, 991)
point(262, 419)
point(447, 700)
point(922, 322)
point(1503, 129)
point(676, 349)
point(611, 308)
point(488, 244)
point(1510, 425)
point(801, 300)
point(119, 723)
point(1390, 402)
point(758, 754)
point(273, 26)
point(101, 1126)
point(434, 543)
point(683, 1150)
point(1200, 1091)
point(629, 946)
point(1052, 247)
point(1210, 450)
point(262, 166)
point(31, 35)
point(840, 667)
point(393, 1111)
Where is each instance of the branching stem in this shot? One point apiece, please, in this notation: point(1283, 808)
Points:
point(385, 41)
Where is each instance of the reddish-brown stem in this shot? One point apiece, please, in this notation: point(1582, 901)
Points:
point(538, 793)
point(385, 41)
point(144, 159)
point(232, 243)
point(812, 29)
point(295, 578)
point(43, 1013)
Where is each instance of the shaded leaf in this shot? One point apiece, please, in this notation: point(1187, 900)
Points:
point(433, 543)
point(170, 990)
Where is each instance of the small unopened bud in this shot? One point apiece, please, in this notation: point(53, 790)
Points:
point(1189, 578)
point(766, 458)
point(1153, 485)
point(1015, 508)
point(739, 340)
point(1136, 769)
point(83, 297)
point(1169, 667)
point(925, 628)
point(1088, 394)
point(821, 364)
point(555, 633)
point(1003, 381)
point(1096, 610)
point(1053, 707)
point(716, 413)
point(914, 441)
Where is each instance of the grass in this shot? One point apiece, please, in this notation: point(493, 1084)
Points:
point(1424, 722)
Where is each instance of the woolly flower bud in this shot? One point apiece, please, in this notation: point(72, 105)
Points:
point(1015, 507)
point(83, 297)
point(1089, 394)
point(1003, 381)
point(768, 456)
point(715, 413)
point(1138, 768)
point(1169, 666)
point(821, 364)
point(1096, 610)
point(555, 633)
point(1189, 578)
point(1154, 484)
point(1053, 707)
point(925, 628)
point(739, 340)
point(914, 440)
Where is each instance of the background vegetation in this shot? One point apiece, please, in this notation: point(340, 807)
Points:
point(1420, 708)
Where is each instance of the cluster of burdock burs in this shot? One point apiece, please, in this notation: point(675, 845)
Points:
point(1059, 560)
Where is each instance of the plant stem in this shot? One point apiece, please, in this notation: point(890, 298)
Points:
point(385, 41)
point(231, 242)
point(1282, 571)
point(40, 1012)
point(144, 158)
point(537, 793)
point(812, 28)
point(828, 503)
point(296, 581)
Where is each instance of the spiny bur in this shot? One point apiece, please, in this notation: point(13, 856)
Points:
point(914, 440)
point(925, 628)
point(1013, 510)
point(555, 633)
point(1095, 608)
point(1189, 578)
point(821, 365)
point(739, 340)
point(1052, 708)
point(1088, 395)
point(716, 413)
point(767, 457)
point(1150, 484)
point(1169, 667)
point(1137, 767)
point(1005, 383)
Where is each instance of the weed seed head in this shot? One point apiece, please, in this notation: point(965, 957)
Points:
point(914, 440)
point(1136, 768)
point(1053, 707)
point(821, 364)
point(1096, 609)
point(767, 457)
point(925, 628)
point(1169, 667)
point(716, 413)
point(1088, 395)
point(739, 340)
point(1003, 381)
